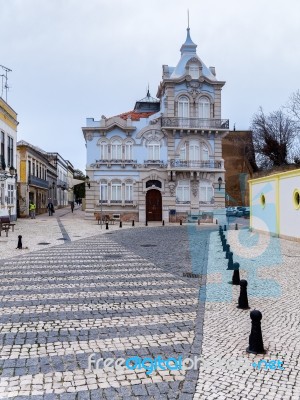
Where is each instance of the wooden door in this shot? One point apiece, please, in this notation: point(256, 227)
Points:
point(153, 205)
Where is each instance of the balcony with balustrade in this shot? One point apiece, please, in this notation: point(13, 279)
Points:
point(210, 165)
point(38, 182)
point(194, 124)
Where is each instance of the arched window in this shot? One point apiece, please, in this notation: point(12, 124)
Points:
point(206, 192)
point(103, 192)
point(128, 151)
point(183, 191)
point(116, 150)
point(103, 151)
point(183, 107)
point(205, 153)
point(153, 150)
point(204, 108)
point(194, 71)
point(116, 192)
point(194, 150)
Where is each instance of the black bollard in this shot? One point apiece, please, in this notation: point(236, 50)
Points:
point(243, 299)
point(236, 274)
point(256, 345)
point(19, 242)
point(198, 221)
point(163, 223)
point(106, 225)
point(227, 249)
point(216, 222)
point(236, 227)
point(146, 224)
point(132, 222)
point(180, 222)
point(230, 261)
point(120, 226)
point(225, 228)
point(224, 242)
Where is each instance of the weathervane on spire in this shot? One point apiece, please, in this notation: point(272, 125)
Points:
point(188, 15)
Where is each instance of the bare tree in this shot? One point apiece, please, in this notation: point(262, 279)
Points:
point(293, 106)
point(273, 138)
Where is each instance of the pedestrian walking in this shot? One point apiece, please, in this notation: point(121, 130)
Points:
point(50, 207)
point(32, 208)
point(72, 206)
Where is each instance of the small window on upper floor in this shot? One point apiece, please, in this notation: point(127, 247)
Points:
point(103, 151)
point(204, 108)
point(116, 150)
point(183, 107)
point(194, 71)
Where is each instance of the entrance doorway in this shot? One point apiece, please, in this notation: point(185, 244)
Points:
point(153, 205)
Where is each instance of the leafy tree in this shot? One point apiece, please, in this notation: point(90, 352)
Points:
point(79, 190)
point(273, 138)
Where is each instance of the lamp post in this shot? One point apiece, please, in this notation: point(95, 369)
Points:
point(63, 188)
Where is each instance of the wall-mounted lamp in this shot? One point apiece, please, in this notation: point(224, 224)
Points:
point(4, 175)
point(87, 181)
point(220, 180)
point(63, 187)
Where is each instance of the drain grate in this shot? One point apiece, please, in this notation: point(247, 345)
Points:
point(148, 245)
point(43, 243)
point(190, 275)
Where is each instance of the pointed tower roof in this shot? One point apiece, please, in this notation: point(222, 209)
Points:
point(188, 51)
point(188, 46)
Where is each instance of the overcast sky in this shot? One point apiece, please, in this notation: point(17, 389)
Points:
point(73, 59)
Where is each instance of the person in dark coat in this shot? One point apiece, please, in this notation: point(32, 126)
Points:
point(50, 208)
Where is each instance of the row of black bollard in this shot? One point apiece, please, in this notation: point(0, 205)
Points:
point(256, 345)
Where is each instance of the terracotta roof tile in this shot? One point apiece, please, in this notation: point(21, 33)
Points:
point(135, 116)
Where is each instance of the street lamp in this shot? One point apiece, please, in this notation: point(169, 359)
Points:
point(4, 175)
point(220, 180)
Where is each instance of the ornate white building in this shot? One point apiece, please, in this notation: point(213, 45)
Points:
point(163, 160)
point(8, 161)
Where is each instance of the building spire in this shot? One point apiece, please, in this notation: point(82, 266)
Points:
point(188, 46)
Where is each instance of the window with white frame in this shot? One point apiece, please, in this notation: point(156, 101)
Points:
point(183, 107)
point(10, 194)
point(128, 151)
point(182, 152)
point(116, 150)
point(194, 150)
point(204, 108)
point(116, 191)
point(205, 153)
point(194, 71)
point(103, 151)
point(183, 191)
point(206, 192)
point(153, 150)
point(128, 192)
point(103, 192)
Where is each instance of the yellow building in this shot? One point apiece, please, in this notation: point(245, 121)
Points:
point(275, 204)
point(8, 162)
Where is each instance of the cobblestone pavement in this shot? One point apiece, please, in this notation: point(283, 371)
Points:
point(119, 294)
point(124, 293)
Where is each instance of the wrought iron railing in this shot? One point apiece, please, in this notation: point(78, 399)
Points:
point(194, 123)
point(196, 164)
point(35, 181)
